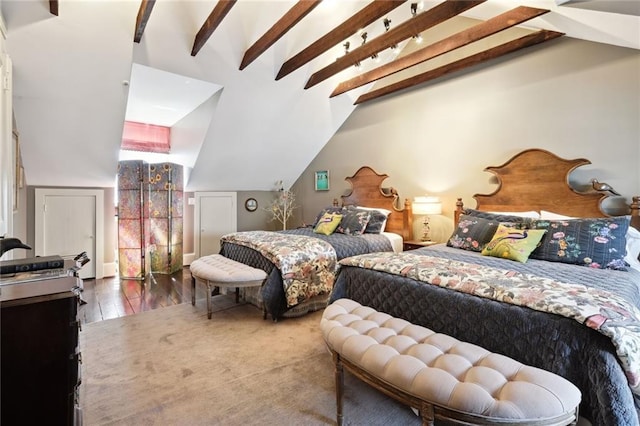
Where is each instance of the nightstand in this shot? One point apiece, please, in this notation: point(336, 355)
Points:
point(416, 244)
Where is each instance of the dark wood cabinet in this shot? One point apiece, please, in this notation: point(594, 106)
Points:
point(39, 356)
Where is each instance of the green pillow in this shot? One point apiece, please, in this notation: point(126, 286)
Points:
point(513, 244)
point(327, 223)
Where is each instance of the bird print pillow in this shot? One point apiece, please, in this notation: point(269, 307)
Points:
point(513, 244)
point(594, 242)
point(327, 223)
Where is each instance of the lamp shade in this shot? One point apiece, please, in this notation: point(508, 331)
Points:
point(426, 205)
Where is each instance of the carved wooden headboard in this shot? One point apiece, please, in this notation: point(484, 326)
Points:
point(536, 179)
point(367, 191)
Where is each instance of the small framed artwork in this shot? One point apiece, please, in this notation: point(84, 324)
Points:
point(322, 180)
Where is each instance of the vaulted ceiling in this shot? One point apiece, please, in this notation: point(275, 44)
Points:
point(275, 79)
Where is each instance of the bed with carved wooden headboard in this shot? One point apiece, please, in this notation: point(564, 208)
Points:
point(536, 271)
point(369, 220)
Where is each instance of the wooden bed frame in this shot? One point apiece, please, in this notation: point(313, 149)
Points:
point(367, 191)
point(536, 179)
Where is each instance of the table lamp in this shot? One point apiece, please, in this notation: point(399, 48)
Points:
point(425, 206)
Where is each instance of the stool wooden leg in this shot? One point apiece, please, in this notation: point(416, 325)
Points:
point(237, 294)
point(339, 373)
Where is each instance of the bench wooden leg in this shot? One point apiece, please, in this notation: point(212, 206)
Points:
point(427, 415)
point(339, 373)
point(209, 307)
point(193, 290)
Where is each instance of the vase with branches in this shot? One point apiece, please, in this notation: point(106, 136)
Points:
point(282, 207)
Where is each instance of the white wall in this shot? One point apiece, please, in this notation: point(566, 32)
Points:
point(575, 98)
point(7, 153)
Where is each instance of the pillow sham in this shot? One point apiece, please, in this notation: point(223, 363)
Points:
point(327, 223)
point(377, 218)
point(472, 233)
point(354, 222)
point(594, 242)
point(500, 217)
point(514, 244)
point(532, 214)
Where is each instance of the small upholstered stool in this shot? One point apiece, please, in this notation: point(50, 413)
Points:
point(217, 271)
point(442, 377)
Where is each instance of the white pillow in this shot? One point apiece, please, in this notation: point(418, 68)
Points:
point(632, 236)
point(633, 248)
point(530, 214)
point(553, 216)
point(384, 211)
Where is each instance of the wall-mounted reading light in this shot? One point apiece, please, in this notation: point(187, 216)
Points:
point(414, 9)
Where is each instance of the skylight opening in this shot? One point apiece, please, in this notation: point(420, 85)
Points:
point(144, 137)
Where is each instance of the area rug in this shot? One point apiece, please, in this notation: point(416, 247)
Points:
point(173, 366)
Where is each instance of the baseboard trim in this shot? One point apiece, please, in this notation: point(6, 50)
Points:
point(110, 269)
point(187, 258)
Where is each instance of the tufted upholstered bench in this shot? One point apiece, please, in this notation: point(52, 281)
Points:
point(217, 271)
point(440, 376)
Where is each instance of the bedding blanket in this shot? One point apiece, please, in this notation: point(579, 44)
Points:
point(272, 295)
point(600, 310)
point(308, 265)
point(553, 342)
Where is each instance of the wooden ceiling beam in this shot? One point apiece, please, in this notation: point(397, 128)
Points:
point(482, 30)
point(411, 27)
point(146, 6)
point(361, 19)
point(301, 9)
point(489, 54)
point(53, 7)
point(215, 18)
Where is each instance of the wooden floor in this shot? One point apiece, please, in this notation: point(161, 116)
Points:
point(114, 297)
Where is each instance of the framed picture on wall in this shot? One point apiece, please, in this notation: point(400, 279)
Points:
point(322, 180)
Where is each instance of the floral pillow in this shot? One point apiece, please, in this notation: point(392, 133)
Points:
point(514, 244)
point(377, 219)
point(597, 243)
point(327, 223)
point(510, 217)
point(472, 233)
point(354, 222)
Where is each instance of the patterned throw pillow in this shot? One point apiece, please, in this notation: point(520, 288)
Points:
point(377, 219)
point(597, 242)
point(327, 223)
point(513, 244)
point(500, 217)
point(472, 233)
point(354, 222)
point(326, 210)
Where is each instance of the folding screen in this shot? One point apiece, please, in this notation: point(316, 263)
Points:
point(133, 219)
point(150, 215)
point(165, 213)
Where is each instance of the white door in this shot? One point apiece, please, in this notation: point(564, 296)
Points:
point(215, 215)
point(67, 225)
